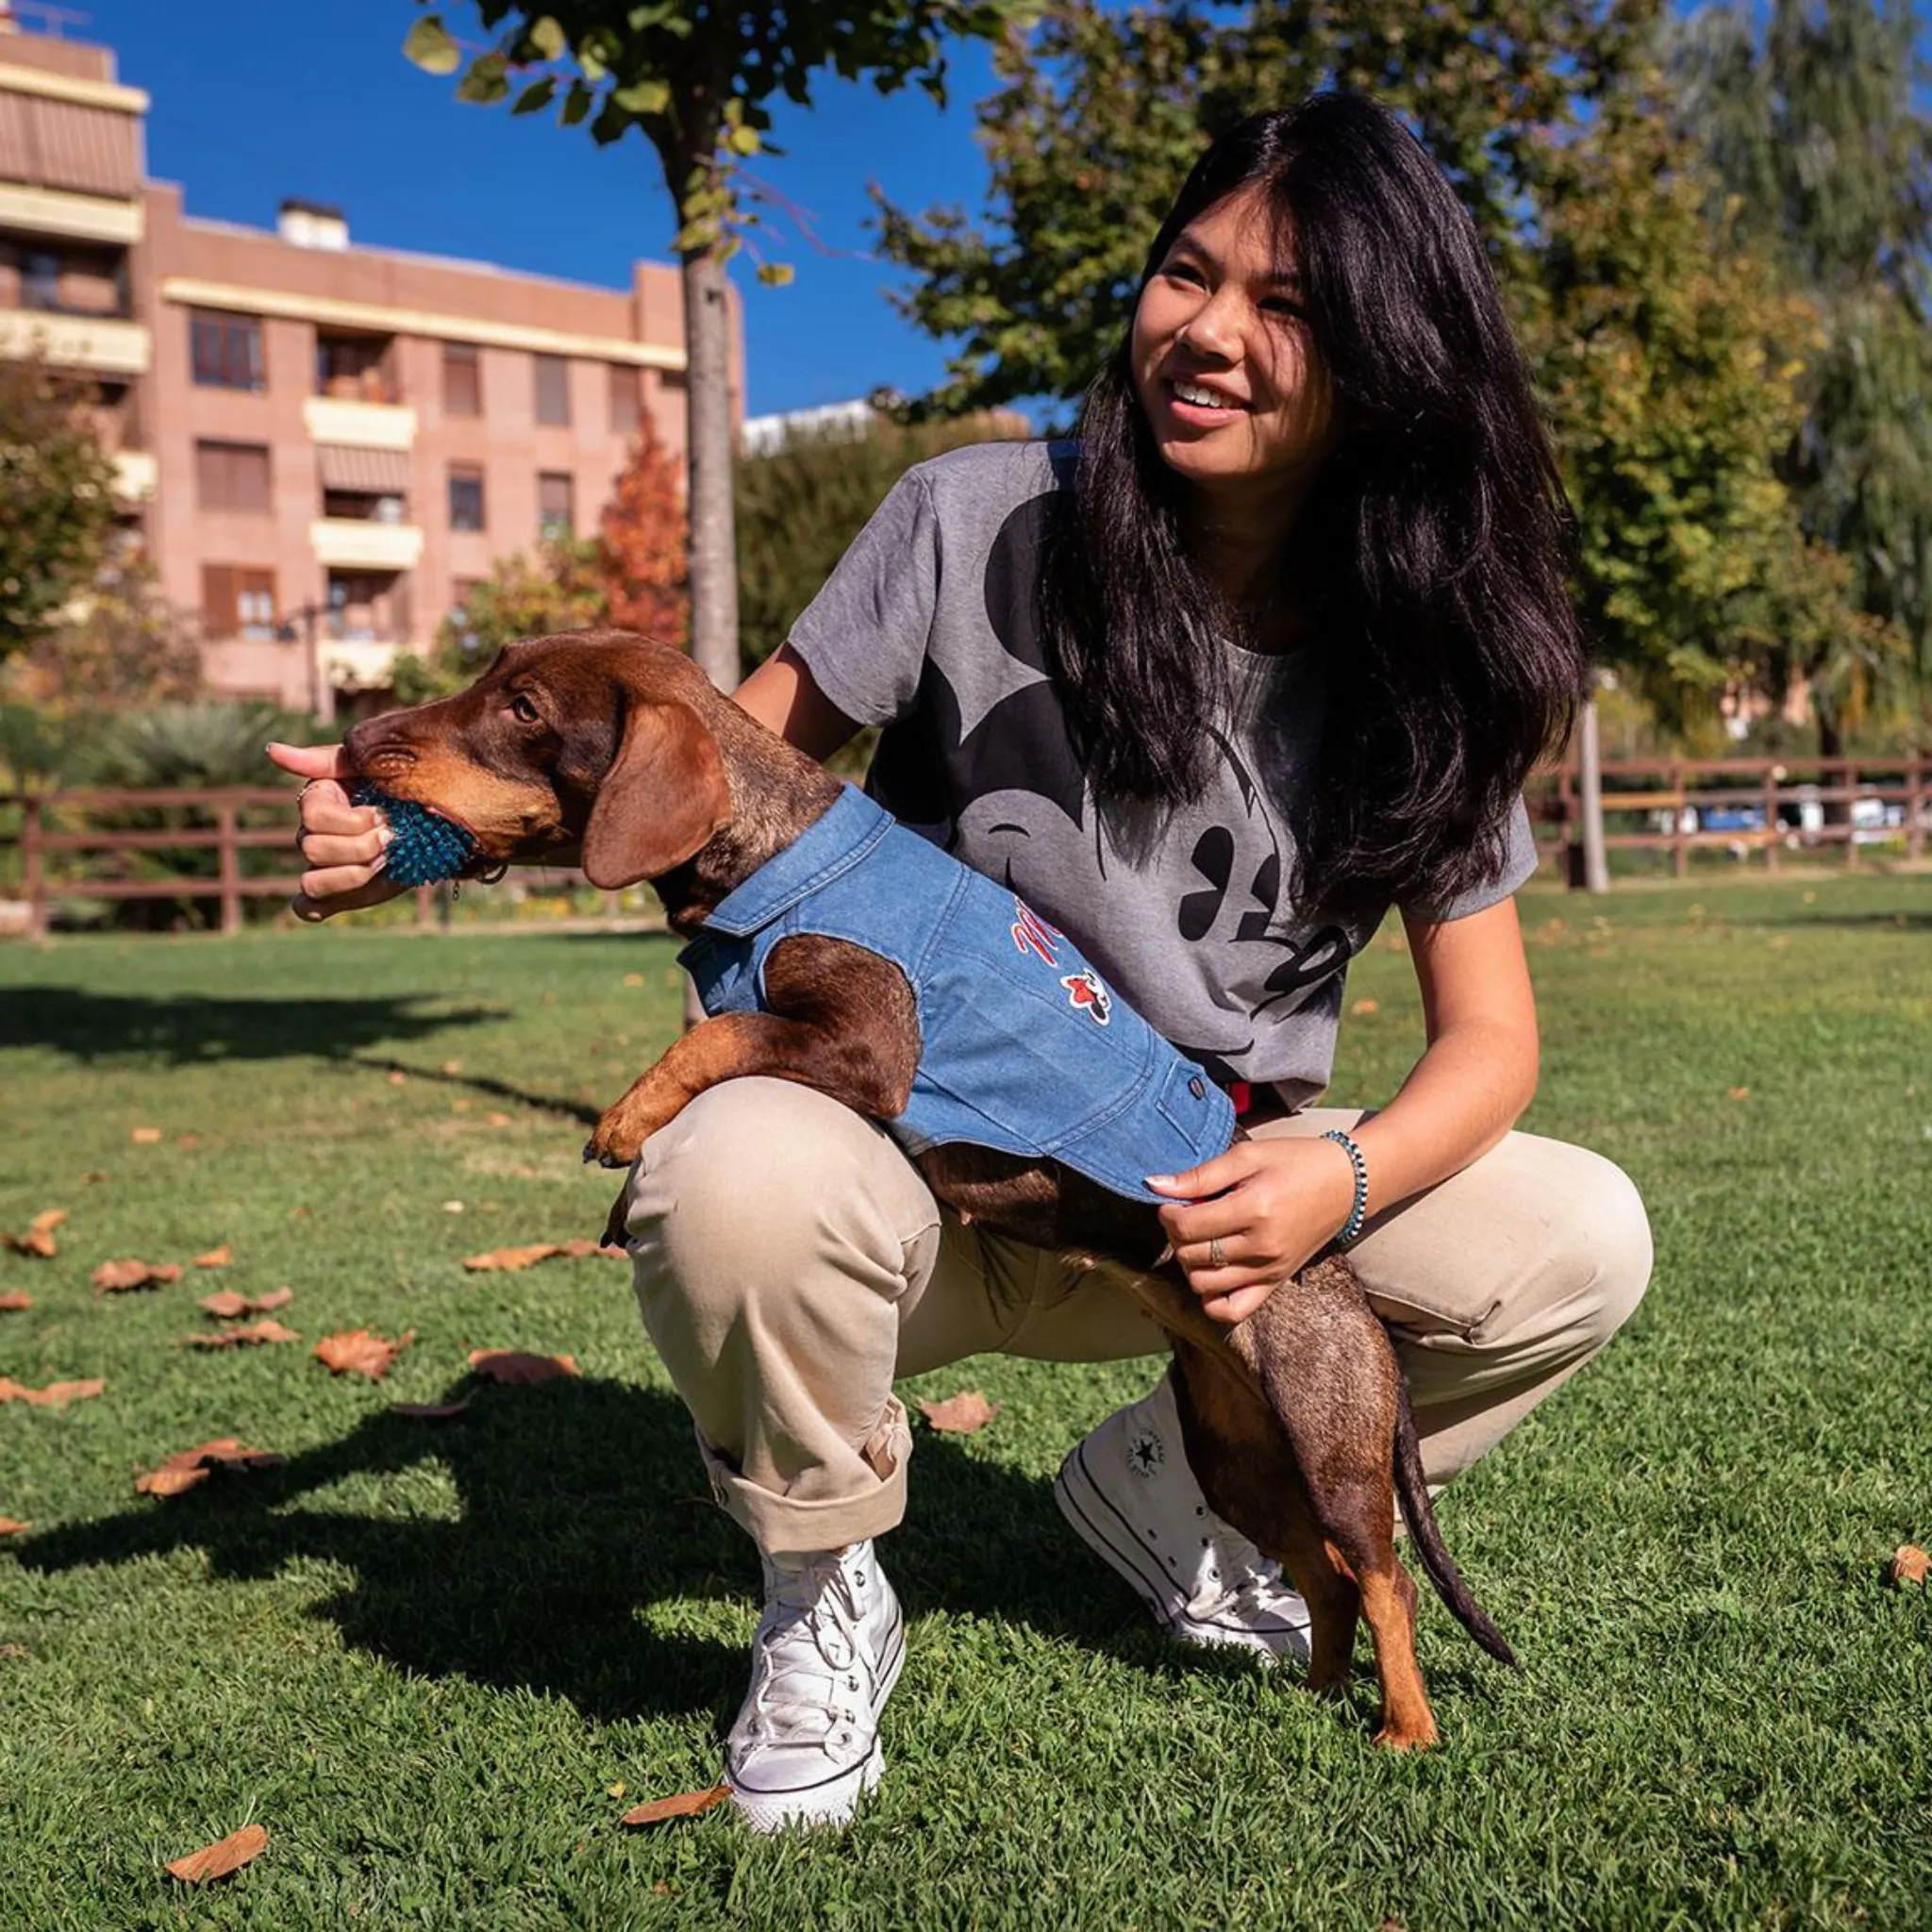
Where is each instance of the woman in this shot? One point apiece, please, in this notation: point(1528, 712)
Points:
point(1269, 650)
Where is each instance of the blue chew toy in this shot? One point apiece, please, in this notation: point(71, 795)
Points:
point(426, 848)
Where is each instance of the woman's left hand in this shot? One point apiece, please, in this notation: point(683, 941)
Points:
point(1242, 1222)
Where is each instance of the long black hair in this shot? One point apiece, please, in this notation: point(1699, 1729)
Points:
point(1430, 559)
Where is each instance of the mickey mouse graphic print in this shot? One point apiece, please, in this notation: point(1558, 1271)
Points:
point(929, 628)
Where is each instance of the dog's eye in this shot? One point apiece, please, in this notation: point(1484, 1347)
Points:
point(523, 710)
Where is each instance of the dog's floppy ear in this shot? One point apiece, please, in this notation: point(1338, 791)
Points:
point(664, 794)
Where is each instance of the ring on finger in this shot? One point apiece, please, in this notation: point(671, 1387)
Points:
point(1215, 1257)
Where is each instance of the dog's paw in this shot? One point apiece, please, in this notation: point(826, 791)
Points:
point(614, 1143)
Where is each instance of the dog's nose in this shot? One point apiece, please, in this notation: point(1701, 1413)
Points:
point(377, 746)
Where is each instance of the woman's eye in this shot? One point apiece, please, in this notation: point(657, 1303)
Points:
point(1184, 271)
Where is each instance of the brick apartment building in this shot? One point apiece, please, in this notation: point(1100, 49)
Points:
point(321, 446)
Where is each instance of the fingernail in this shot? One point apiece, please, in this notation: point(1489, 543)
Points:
point(1160, 1180)
point(380, 861)
point(385, 836)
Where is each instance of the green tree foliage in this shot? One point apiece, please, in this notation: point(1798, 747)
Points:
point(697, 80)
point(115, 646)
point(57, 502)
point(1101, 111)
point(1670, 363)
point(800, 507)
point(1810, 112)
point(562, 588)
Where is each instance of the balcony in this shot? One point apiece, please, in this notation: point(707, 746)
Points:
point(135, 475)
point(352, 664)
point(102, 345)
point(79, 217)
point(364, 543)
point(359, 424)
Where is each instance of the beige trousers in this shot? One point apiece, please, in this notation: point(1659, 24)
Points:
point(790, 1262)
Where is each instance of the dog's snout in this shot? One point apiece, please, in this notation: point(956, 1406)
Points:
point(377, 749)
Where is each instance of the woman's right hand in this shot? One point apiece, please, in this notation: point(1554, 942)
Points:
point(343, 846)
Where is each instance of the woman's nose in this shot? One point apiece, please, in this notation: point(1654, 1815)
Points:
point(1214, 329)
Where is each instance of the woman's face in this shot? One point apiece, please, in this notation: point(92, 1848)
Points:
point(1225, 366)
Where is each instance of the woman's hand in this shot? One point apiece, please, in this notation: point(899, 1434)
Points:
point(343, 846)
point(1269, 1206)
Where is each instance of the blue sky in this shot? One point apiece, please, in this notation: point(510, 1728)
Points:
point(258, 99)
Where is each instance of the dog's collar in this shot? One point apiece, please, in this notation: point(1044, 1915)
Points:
point(828, 846)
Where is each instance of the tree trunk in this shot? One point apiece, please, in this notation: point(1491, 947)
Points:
point(708, 461)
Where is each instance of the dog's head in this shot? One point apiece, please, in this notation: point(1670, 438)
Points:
point(590, 744)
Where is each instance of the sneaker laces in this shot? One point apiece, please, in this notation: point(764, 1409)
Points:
point(809, 1650)
point(1237, 1574)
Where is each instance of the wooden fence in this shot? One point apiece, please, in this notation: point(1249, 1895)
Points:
point(1679, 805)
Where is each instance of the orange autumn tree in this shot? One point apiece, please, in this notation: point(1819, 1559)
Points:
point(641, 551)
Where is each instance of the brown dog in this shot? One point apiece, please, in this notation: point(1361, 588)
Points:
point(621, 754)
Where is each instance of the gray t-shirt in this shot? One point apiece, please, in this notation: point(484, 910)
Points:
point(929, 628)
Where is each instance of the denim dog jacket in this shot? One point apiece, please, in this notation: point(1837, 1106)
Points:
point(1023, 1047)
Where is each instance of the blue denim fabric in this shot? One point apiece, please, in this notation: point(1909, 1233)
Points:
point(1024, 1048)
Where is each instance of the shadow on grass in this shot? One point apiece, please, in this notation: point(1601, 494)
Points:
point(193, 1029)
point(1847, 922)
point(582, 1504)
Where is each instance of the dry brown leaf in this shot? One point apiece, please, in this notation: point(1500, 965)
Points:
point(581, 1247)
point(685, 1804)
point(633, 979)
point(145, 1137)
point(1740, 1093)
point(1910, 1565)
point(119, 1278)
point(1363, 1008)
point(496, 1120)
point(397, 1077)
point(225, 1305)
point(12, 1526)
point(432, 1411)
point(252, 1336)
point(187, 1139)
point(216, 1257)
point(360, 1352)
point(511, 1366)
point(38, 1238)
point(14, 1301)
point(964, 1414)
point(55, 1395)
point(452, 1068)
point(93, 1177)
point(525, 1256)
point(217, 1860)
point(187, 1468)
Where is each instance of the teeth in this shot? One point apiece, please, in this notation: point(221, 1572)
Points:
point(1204, 398)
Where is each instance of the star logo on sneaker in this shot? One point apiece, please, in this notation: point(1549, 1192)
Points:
point(1146, 1454)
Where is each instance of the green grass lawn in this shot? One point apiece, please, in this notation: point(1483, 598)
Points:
point(438, 1659)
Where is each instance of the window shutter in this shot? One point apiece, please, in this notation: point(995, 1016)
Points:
point(219, 616)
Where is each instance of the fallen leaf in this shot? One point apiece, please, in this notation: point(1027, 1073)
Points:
point(187, 1468)
point(14, 1653)
point(12, 1526)
point(397, 1077)
point(14, 1300)
point(432, 1411)
point(215, 1258)
point(452, 1068)
point(633, 979)
point(526, 1256)
point(93, 1177)
point(452, 1207)
point(511, 1365)
point(145, 1137)
point(187, 1139)
point(360, 1352)
point(38, 1238)
point(119, 1278)
point(580, 1247)
point(496, 1120)
point(1741, 1093)
point(964, 1414)
point(225, 1305)
point(461, 1105)
point(1910, 1564)
point(226, 1855)
point(251, 1336)
point(1363, 1008)
point(685, 1804)
point(55, 1395)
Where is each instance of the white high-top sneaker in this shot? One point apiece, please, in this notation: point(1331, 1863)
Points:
point(824, 1659)
point(1130, 1496)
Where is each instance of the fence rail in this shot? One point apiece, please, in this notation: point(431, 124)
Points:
point(1746, 806)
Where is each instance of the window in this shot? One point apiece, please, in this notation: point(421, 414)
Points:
point(232, 477)
point(226, 351)
point(626, 400)
point(465, 496)
point(462, 380)
point(554, 514)
point(353, 367)
point(237, 601)
point(553, 389)
point(40, 280)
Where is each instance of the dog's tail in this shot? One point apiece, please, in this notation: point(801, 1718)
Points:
point(1419, 1512)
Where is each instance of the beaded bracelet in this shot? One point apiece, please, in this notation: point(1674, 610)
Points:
point(1357, 1213)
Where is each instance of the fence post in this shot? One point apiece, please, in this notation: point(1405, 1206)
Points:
point(1773, 831)
point(230, 864)
point(425, 905)
point(33, 877)
point(1680, 851)
point(1848, 778)
point(1915, 805)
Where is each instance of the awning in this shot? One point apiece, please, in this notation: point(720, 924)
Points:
point(365, 472)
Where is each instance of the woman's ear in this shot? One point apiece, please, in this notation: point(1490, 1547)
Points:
point(664, 796)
